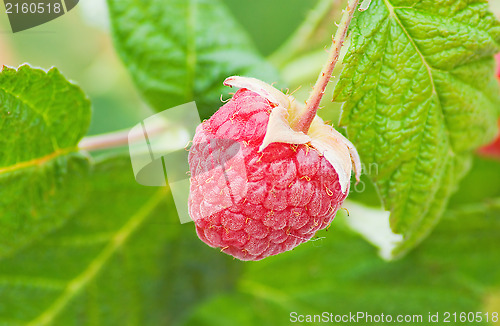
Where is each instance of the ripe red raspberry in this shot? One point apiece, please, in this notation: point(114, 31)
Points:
point(259, 188)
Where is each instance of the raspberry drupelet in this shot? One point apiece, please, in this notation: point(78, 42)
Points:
point(259, 187)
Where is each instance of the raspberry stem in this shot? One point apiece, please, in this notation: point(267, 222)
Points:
point(303, 122)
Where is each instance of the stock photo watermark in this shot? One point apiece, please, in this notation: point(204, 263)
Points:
point(362, 317)
point(26, 14)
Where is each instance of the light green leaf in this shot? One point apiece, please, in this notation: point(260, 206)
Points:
point(420, 94)
point(122, 259)
point(454, 271)
point(178, 51)
point(42, 174)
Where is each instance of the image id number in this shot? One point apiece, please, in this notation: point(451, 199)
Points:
point(33, 8)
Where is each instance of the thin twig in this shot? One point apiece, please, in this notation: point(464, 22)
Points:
point(304, 121)
point(104, 141)
point(117, 138)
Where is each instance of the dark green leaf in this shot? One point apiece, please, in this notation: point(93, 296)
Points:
point(123, 258)
point(420, 94)
point(178, 51)
point(42, 174)
point(280, 17)
point(455, 270)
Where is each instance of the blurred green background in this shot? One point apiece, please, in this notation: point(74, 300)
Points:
point(80, 46)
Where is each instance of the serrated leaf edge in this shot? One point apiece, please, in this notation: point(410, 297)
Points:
point(434, 93)
point(57, 151)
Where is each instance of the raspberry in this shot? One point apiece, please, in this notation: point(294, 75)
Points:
point(258, 187)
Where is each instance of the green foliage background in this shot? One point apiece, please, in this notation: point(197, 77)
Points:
point(81, 243)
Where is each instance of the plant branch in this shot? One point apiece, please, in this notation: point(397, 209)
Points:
point(104, 141)
point(305, 119)
point(117, 138)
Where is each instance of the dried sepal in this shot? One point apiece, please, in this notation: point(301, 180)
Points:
point(337, 149)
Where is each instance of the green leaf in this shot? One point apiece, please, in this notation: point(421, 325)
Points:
point(341, 274)
point(122, 259)
point(42, 174)
point(420, 94)
point(178, 51)
point(281, 17)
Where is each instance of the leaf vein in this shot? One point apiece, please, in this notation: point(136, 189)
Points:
point(75, 286)
point(37, 161)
